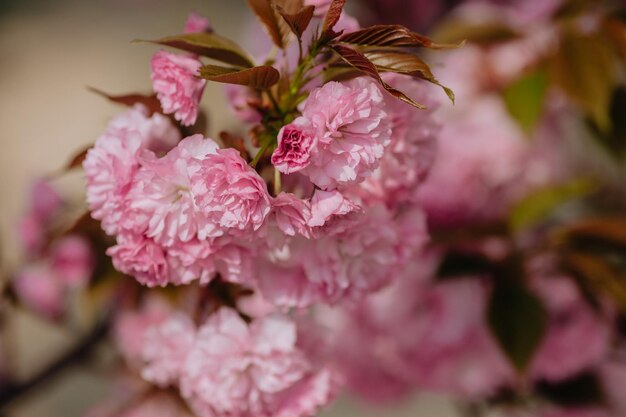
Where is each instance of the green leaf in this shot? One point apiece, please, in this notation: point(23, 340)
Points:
point(540, 204)
point(525, 98)
point(518, 320)
point(209, 45)
point(261, 77)
point(584, 68)
point(360, 62)
point(405, 63)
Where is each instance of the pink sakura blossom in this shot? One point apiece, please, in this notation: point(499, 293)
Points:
point(479, 167)
point(43, 205)
point(239, 98)
point(230, 193)
point(577, 338)
point(161, 200)
point(243, 370)
point(329, 205)
point(153, 265)
point(177, 85)
point(296, 143)
point(291, 214)
point(413, 145)
point(196, 24)
point(351, 130)
point(39, 289)
point(165, 348)
point(130, 327)
point(350, 258)
point(72, 260)
point(110, 166)
point(414, 335)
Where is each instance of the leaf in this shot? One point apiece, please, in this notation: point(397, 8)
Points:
point(332, 17)
point(209, 45)
point(235, 142)
point(455, 30)
point(151, 102)
point(610, 231)
point(405, 63)
point(584, 69)
point(614, 140)
point(525, 97)
point(460, 264)
point(361, 63)
point(518, 320)
point(299, 21)
point(257, 77)
point(598, 273)
point(275, 26)
point(580, 391)
point(392, 36)
point(77, 159)
point(541, 203)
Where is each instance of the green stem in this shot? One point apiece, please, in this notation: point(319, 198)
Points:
point(261, 152)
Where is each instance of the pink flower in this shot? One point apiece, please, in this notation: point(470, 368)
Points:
point(353, 257)
point(243, 370)
point(291, 214)
point(165, 349)
point(480, 162)
point(153, 265)
point(296, 141)
point(72, 260)
point(161, 200)
point(43, 205)
point(351, 129)
point(329, 205)
point(413, 146)
point(177, 85)
point(577, 338)
point(230, 194)
point(39, 289)
point(130, 327)
point(110, 166)
point(240, 99)
point(197, 24)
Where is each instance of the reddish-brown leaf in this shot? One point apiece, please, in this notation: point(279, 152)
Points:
point(257, 77)
point(235, 142)
point(77, 159)
point(151, 102)
point(299, 21)
point(275, 26)
point(209, 45)
point(359, 61)
point(331, 19)
point(392, 36)
point(266, 15)
point(405, 63)
point(609, 230)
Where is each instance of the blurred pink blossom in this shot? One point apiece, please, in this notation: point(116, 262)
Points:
point(176, 82)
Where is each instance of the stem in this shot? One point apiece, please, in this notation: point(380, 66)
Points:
point(257, 157)
point(277, 182)
point(80, 353)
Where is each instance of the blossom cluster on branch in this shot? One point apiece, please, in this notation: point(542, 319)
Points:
point(359, 234)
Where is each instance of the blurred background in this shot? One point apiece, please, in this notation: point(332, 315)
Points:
point(51, 51)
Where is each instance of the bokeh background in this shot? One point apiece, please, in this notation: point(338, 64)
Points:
point(50, 52)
